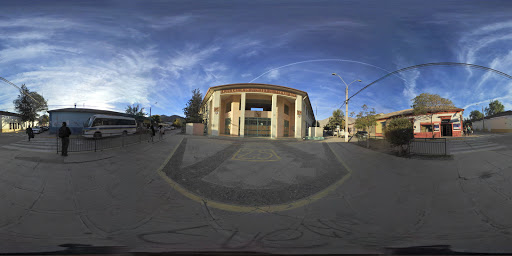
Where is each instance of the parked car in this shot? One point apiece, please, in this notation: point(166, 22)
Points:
point(45, 128)
point(37, 129)
point(362, 133)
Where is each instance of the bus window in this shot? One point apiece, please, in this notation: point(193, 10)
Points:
point(98, 122)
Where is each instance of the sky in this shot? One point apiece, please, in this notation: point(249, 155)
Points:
point(110, 54)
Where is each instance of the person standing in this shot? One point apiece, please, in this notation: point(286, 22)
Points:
point(161, 132)
point(152, 132)
point(469, 130)
point(64, 133)
point(30, 133)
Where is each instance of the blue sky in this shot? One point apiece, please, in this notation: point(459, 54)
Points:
point(108, 54)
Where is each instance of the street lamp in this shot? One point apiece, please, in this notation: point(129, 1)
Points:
point(346, 103)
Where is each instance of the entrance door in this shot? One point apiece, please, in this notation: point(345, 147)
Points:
point(227, 126)
point(286, 128)
point(257, 127)
point(446, 129)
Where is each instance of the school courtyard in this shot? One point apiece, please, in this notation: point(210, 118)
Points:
point(259, 195)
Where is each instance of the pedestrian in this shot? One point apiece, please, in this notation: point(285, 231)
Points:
point(30, 133)
point(64, 133)
point(469, 130)
point(161, 132)
point(152, 132)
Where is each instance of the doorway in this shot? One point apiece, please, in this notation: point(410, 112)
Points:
point(446, 130)
point(257, 127)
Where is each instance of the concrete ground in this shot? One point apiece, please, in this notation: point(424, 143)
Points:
point(197, 193)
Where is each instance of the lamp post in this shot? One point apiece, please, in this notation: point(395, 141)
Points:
point(346, 103)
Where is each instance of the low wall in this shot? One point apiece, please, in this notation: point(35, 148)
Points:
point(195, 129)
point(316, 131)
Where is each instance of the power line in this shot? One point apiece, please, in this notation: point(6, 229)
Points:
point(433, 64)
point(22, 91)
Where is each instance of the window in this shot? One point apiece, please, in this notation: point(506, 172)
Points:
point(10, 126)
point(426, 128)
point(98, 122)
point(286, 109)
point(228, 107)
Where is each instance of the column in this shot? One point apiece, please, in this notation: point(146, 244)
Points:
point(242, 115)
point(216, 113)
point(273, 122)
point(298, 117)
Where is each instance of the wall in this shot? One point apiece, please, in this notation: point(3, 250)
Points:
point(495, 124)
point(5, 120)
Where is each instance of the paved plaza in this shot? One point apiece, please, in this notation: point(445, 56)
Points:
point(221, 194)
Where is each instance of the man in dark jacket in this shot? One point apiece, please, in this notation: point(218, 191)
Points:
point(30, 133)
point(64, 133)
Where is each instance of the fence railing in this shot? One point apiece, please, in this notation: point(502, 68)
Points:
point(428, 146)
point(79, 143)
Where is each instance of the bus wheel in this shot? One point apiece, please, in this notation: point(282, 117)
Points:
point(125, 133)
point(97, 135)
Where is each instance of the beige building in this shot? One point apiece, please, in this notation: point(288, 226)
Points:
point(11, 122)
point(257, 110)
point(501, 122)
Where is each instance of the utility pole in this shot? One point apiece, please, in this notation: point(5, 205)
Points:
point(483, 119)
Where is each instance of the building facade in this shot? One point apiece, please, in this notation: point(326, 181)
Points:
point(256, 110)
point(11, 122)
point(443, 123)
point(501, 122)
point(75, 118)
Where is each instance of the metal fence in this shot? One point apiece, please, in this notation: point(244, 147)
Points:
point(80, 143)
point(428, 146)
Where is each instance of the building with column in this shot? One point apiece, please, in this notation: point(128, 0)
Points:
point(257, 110)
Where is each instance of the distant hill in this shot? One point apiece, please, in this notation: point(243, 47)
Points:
point(166, 119)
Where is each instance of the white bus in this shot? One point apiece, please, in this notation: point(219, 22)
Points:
point(98, 126)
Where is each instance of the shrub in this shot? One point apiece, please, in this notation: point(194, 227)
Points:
point(399, 132)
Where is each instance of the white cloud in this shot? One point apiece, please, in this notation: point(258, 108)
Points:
point(32, 51)
point(409, 78)
point(169, 21)
point(273, 75)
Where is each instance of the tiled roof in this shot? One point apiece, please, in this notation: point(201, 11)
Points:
point(407, 112)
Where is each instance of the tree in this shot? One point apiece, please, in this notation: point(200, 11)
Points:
point(336, 119)
point(495, 107)
point(399, 132)
point(194, 105)
point(135, 110)
point(366, 118)
point(28, 104)
point(429, 104)
point(177, 123)
point(475, 114)
point(43, 120)
point(156, 119)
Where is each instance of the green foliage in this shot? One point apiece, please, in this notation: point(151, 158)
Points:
point(136, 110)
point(495, 107)
point(336, 119)
point(44, 119)
point(156, 119)
point(366, 118)
point(28, 104)
point(429, 104)
point(177, 123)
point(475, 114)
point(192, 109)
point(399, 132)
point(326, 127)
